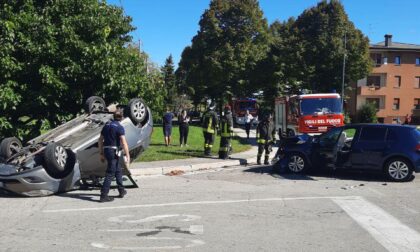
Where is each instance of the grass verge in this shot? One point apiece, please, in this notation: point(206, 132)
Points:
point(158, 151)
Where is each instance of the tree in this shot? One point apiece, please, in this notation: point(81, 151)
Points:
point(233, 37)
point(55, 54)
point(322, 29)
point(170, 81)
point(367, 113)
point(279, 72)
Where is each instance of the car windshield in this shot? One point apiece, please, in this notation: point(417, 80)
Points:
point(320, 106)
point(247, 105)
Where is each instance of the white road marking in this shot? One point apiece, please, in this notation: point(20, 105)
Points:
point(184, 218)
point(192, 203)
point(192, 243)
point(193, 229)
point(386, 229)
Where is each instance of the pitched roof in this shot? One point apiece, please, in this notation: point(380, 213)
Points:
point(395, 46)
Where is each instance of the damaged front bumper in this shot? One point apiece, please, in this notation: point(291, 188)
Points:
point(35, 181)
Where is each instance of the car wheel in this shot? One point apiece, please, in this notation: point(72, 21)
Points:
point(94, 103)
point(297, 163)
point(398, 169)
point(58, 160)
point(137, 110)
point(9, 147)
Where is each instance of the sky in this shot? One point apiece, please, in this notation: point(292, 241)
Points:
point(166, 27)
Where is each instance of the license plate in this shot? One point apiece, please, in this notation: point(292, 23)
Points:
point(322, 128)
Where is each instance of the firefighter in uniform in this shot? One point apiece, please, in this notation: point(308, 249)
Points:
point(266, 136)
point(209, 123)
point(226, 128)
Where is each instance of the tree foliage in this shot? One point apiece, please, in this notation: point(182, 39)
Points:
point(56, 53)
point(367, 113)
point(322, 31)
point(233, 37)
point(307, 53)
point(171, 91)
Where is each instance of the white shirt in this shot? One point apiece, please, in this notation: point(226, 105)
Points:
point(248, 118)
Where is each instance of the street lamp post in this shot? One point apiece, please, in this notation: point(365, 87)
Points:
point(344, 70)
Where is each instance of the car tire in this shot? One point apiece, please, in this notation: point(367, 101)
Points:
point(398, 169)
point(297, 163)
point(58, 160)
point(9, 147)
point(94, 104)
point(137, 110)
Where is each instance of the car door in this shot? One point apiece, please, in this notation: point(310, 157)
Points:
point(368, 150)
point(327, 146)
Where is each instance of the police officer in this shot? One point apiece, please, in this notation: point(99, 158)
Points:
point(209, 122)
point(226, 128)
point(266, 136)
point(111, 140)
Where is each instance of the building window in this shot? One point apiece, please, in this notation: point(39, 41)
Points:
point(373, 101)
point(396, 105)
point(397, 60)
point(374, 81)
point(397, 83)
point(416, 103)
point(377, 58)
point(417, 61)
point(417, 82)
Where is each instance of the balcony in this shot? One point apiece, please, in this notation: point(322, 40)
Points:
point(371, 90)
point(416, 110)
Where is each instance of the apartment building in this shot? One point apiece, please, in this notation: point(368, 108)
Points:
point(393, 86)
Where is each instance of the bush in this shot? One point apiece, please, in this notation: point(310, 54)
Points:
point(367, 113)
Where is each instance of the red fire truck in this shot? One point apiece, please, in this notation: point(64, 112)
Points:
point(308, 113)
point(239, 108)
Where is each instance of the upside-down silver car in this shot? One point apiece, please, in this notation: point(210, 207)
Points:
point(67, 157)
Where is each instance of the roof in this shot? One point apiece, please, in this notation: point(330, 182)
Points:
point(330, 95)
point(395, 46)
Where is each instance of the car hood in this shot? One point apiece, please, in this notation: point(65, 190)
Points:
point(298, 140)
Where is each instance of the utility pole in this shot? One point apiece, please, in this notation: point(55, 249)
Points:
point(344, 70)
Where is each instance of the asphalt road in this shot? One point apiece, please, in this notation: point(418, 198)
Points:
point(237, 209)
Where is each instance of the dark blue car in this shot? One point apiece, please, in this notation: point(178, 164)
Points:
point(388, 148)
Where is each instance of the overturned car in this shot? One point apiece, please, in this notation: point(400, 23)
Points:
point(67, 157)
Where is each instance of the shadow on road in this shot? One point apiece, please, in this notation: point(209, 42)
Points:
point(81, 196)
point(268, 169)
point(323, 174)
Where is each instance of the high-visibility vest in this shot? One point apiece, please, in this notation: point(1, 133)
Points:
point(209, 126)
point(226, 131)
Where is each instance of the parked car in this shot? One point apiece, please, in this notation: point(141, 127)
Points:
point(388, 148)
point(67, 157)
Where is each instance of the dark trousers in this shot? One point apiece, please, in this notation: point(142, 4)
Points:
point(247, 129)
point(264, 147)
point(113, 169)
point(225, 147)
point(208, 142)
point(183, 133)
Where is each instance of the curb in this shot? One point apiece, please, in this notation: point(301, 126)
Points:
point(194, 167)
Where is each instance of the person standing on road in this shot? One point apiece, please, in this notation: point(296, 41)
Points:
point(226, 128)
point(167, 126)
point(110, 141)
point(209, 123)
point(248, 121)
point(266, 136)
point(183, 120)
